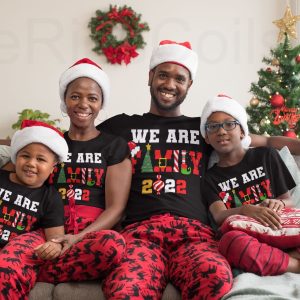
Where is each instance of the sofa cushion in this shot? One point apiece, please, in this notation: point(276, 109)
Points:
point(42, 290)
point(171, 293)
point(84, 290)
point(88, 290)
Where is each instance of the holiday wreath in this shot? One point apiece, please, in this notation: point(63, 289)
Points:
point(117, 51)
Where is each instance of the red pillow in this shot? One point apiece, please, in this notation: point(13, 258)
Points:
point(287, 237)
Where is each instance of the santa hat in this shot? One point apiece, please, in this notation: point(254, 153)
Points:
point(178, 53)
point(39, 132)
point(229, 106)
point(83, 68)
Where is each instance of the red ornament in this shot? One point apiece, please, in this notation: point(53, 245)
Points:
point(277, 100)
point(269, 69)
point(297, 59)
point(290, 134)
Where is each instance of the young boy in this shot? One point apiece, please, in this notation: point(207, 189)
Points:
point(252, 182)
point(26, 204)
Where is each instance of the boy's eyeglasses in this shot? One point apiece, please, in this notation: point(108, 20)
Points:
point(227, 125)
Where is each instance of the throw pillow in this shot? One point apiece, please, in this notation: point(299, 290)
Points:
point(286, 237)
point(4, 155)
point(292, 166)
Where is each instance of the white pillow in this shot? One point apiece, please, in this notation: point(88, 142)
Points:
point(292, 166)
point(4, 155)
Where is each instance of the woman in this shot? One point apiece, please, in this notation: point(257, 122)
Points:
point(94, 183)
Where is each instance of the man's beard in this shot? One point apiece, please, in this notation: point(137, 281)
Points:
point(165, 107)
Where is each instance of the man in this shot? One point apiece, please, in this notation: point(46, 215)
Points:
point(166, 222)
point(167, 232)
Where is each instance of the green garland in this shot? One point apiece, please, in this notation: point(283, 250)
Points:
point(107, 44)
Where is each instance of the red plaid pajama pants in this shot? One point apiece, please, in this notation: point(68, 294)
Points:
point(248, 254)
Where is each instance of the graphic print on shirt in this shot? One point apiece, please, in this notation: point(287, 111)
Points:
point(17, 214)
point(251, 187)
point(83, 170)
point(166, 161)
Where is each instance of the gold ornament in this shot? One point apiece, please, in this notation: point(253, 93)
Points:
point(254, 102)
point(263, 122)
point(275, 62)
point(287, 24)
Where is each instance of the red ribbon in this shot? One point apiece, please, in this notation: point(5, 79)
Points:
point(167, 42)
point(71, 223)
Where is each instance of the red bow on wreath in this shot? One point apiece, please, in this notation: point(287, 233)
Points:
point(121, 53)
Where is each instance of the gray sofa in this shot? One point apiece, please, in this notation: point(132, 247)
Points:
point(82, 290)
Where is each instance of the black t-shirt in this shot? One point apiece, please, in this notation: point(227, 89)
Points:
point(261, 174)
point(168, 156)
point(85, 170)
point(24, 209)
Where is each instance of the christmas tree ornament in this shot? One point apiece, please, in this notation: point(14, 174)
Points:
point(255, 127)
point(254, 102)
point(287, 25)
point(102, 32)
point(277, 100)
point(290, 133)
point(275, 62)
point(263, 122)
point(297, 59)
point(269, 69)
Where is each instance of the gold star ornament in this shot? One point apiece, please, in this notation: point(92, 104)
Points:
point(287, 24)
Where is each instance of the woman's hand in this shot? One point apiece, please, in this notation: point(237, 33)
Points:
point(265, 215)
point(67, 241)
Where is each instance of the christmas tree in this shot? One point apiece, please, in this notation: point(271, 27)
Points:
point(274, 108)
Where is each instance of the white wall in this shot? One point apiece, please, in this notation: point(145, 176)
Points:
point(39, 39)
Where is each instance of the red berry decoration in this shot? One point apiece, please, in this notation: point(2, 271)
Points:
point(269, 69)
point(290, 134)
point(277, 100)
point(297, 59)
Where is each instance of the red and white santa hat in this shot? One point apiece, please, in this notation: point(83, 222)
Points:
point(84, 68)
point(229, 106)
point(178, 53)
point(39, 132)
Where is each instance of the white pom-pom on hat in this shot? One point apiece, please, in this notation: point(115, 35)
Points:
point(84, 68)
